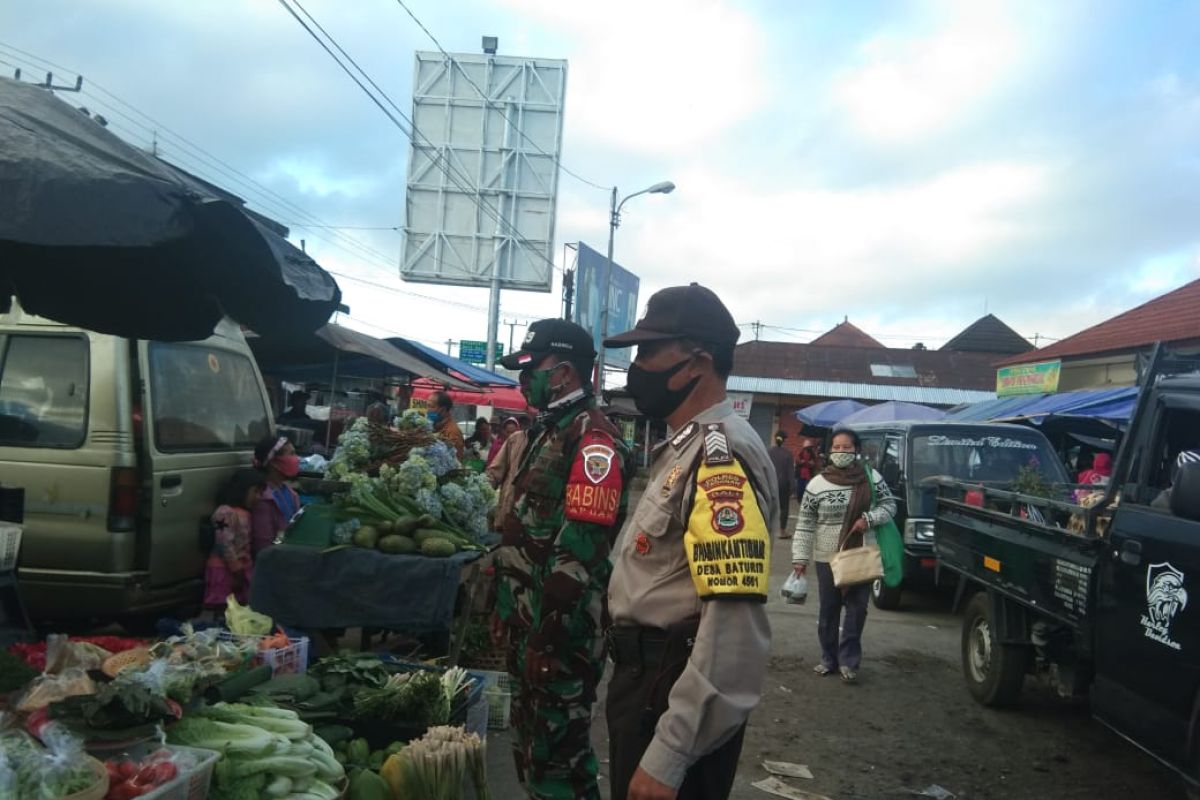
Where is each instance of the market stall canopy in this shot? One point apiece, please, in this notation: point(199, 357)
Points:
point(893, 411)
point(315, 353)
point(1109, 405)
point(829, 413)
point(96, 233)
point(507, 398)
point(477, 375)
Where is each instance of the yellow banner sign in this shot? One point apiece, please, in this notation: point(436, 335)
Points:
point(1028, 379)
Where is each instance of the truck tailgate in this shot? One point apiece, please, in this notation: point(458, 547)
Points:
point(1047, 569)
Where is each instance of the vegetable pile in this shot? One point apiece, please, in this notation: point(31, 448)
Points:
point(435, 766)
point(268, 753)
point(29, 771)
point(418, 493)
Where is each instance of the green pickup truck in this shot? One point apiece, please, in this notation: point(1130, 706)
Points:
point(1095, 595)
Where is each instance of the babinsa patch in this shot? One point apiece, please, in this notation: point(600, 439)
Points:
point(594, 485)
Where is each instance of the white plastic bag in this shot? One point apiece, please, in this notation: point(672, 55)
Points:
point(795, 589)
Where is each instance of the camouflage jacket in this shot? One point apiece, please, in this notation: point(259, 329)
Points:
point(571, 494)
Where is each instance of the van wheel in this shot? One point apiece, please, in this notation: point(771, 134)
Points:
point(885, 597)
point(994, 671)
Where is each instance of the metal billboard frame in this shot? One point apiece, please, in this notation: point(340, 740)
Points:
point(483, 171)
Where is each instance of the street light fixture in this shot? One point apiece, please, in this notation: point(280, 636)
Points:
point(614, 222)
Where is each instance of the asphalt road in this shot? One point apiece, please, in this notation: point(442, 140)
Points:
point(909, 722)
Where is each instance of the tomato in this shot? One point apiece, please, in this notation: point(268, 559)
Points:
point(119, 792)
point(165, 771)
point(127, 769)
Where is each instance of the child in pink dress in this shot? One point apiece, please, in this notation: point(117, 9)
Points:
point(230, 565)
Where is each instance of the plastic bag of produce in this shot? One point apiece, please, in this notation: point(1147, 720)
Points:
point(244, 621)
point(63, 654)
point(52, 688)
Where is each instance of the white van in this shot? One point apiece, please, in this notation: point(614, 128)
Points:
point(121, 446)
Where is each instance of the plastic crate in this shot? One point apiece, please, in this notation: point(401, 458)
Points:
point(477, 717)
point(497, 693)
point(10, 546)
point(191, 784)
point(292, 659)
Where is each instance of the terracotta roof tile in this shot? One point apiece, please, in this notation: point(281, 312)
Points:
point(846, 334)
point(1173, 317)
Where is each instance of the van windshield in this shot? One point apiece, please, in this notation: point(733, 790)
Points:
point(204, 399)
point(983, 455)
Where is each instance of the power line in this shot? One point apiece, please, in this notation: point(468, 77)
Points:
point(368, 255)
point(488, 104)
point(460, 180)
point(198, 154)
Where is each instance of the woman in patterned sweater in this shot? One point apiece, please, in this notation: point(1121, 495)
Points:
point(837, 513)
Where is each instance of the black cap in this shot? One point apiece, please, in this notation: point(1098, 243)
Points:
point(682, 312)
point(551, 336)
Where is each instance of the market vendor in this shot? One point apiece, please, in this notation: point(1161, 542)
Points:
point(297, 410)
point(276, 458)
point(440, 406)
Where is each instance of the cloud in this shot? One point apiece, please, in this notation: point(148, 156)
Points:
point(905, 88)
point(655, 77)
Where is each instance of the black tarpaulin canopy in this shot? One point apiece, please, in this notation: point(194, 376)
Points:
point(312, 355)
point(96, 233)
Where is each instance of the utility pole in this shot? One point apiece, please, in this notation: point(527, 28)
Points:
point(757, 326)
point(450, 344)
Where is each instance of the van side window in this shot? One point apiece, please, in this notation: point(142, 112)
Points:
point(891, 455)
point(204, 399)
point(44, 391)
point(1179, 430)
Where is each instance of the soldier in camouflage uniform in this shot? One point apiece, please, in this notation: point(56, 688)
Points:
point(554, 562)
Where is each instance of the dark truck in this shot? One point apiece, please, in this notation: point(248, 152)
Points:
point(906, 453)
point(1095, 594)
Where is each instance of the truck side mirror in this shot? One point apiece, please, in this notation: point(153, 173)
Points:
point(1185, 492)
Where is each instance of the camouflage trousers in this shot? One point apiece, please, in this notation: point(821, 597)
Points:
point(552, 724)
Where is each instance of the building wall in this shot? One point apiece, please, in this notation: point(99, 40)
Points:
point(1098, 373)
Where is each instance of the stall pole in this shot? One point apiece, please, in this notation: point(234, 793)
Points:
point(646, 449)
point(332, 395)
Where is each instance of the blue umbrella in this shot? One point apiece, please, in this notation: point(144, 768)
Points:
point(892, 411)
point(829, 413)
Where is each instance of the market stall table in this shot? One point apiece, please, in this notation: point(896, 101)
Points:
point(357, 588)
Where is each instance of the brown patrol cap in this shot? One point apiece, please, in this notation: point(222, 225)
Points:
point(682, 312)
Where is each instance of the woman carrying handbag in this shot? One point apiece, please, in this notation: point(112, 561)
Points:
point(841, 508)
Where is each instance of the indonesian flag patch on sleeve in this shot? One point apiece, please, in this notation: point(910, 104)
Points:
point(727, 542)
point(594, 486)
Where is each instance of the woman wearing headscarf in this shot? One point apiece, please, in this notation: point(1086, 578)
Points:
point(837, 513)
point(1098, 475)
point(276, 458)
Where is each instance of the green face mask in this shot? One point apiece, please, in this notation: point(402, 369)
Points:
point(537, 388)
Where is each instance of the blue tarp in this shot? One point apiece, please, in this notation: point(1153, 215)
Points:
point(473, 373)
point(1113, 405)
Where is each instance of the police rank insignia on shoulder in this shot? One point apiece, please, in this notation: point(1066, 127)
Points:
point(594, 485)
point(716, 445)
point(672, 478)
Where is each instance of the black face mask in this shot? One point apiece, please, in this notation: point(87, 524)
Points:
point(650, 392)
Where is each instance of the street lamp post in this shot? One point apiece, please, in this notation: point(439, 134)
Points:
point(614, 222)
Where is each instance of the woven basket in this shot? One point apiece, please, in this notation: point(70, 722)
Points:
point(98, 789)
point(138, 657)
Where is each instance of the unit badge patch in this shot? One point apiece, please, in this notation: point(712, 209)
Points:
point(641, 543)
point(597, 461)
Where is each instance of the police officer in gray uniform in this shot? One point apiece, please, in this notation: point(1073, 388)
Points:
point(689, 634)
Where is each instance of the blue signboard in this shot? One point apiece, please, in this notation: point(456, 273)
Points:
point(591, 275)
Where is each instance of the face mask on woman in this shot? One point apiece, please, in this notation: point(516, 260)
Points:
point(842, 460)
point(434, 417)
point(288, 466)
point(651, 394)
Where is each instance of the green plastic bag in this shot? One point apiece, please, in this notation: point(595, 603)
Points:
point(891, 545)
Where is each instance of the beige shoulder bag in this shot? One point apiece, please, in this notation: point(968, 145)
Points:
point(856, 565)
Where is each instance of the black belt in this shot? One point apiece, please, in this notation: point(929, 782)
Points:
point(644, 646)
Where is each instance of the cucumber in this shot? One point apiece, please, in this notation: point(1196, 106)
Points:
point(397, 545)
point(438, 548)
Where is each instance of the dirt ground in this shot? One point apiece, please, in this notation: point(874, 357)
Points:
point(909, 722)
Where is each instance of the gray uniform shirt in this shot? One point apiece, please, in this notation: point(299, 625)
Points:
point(652, 584)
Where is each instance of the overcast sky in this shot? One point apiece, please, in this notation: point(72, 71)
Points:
point(906, 164)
